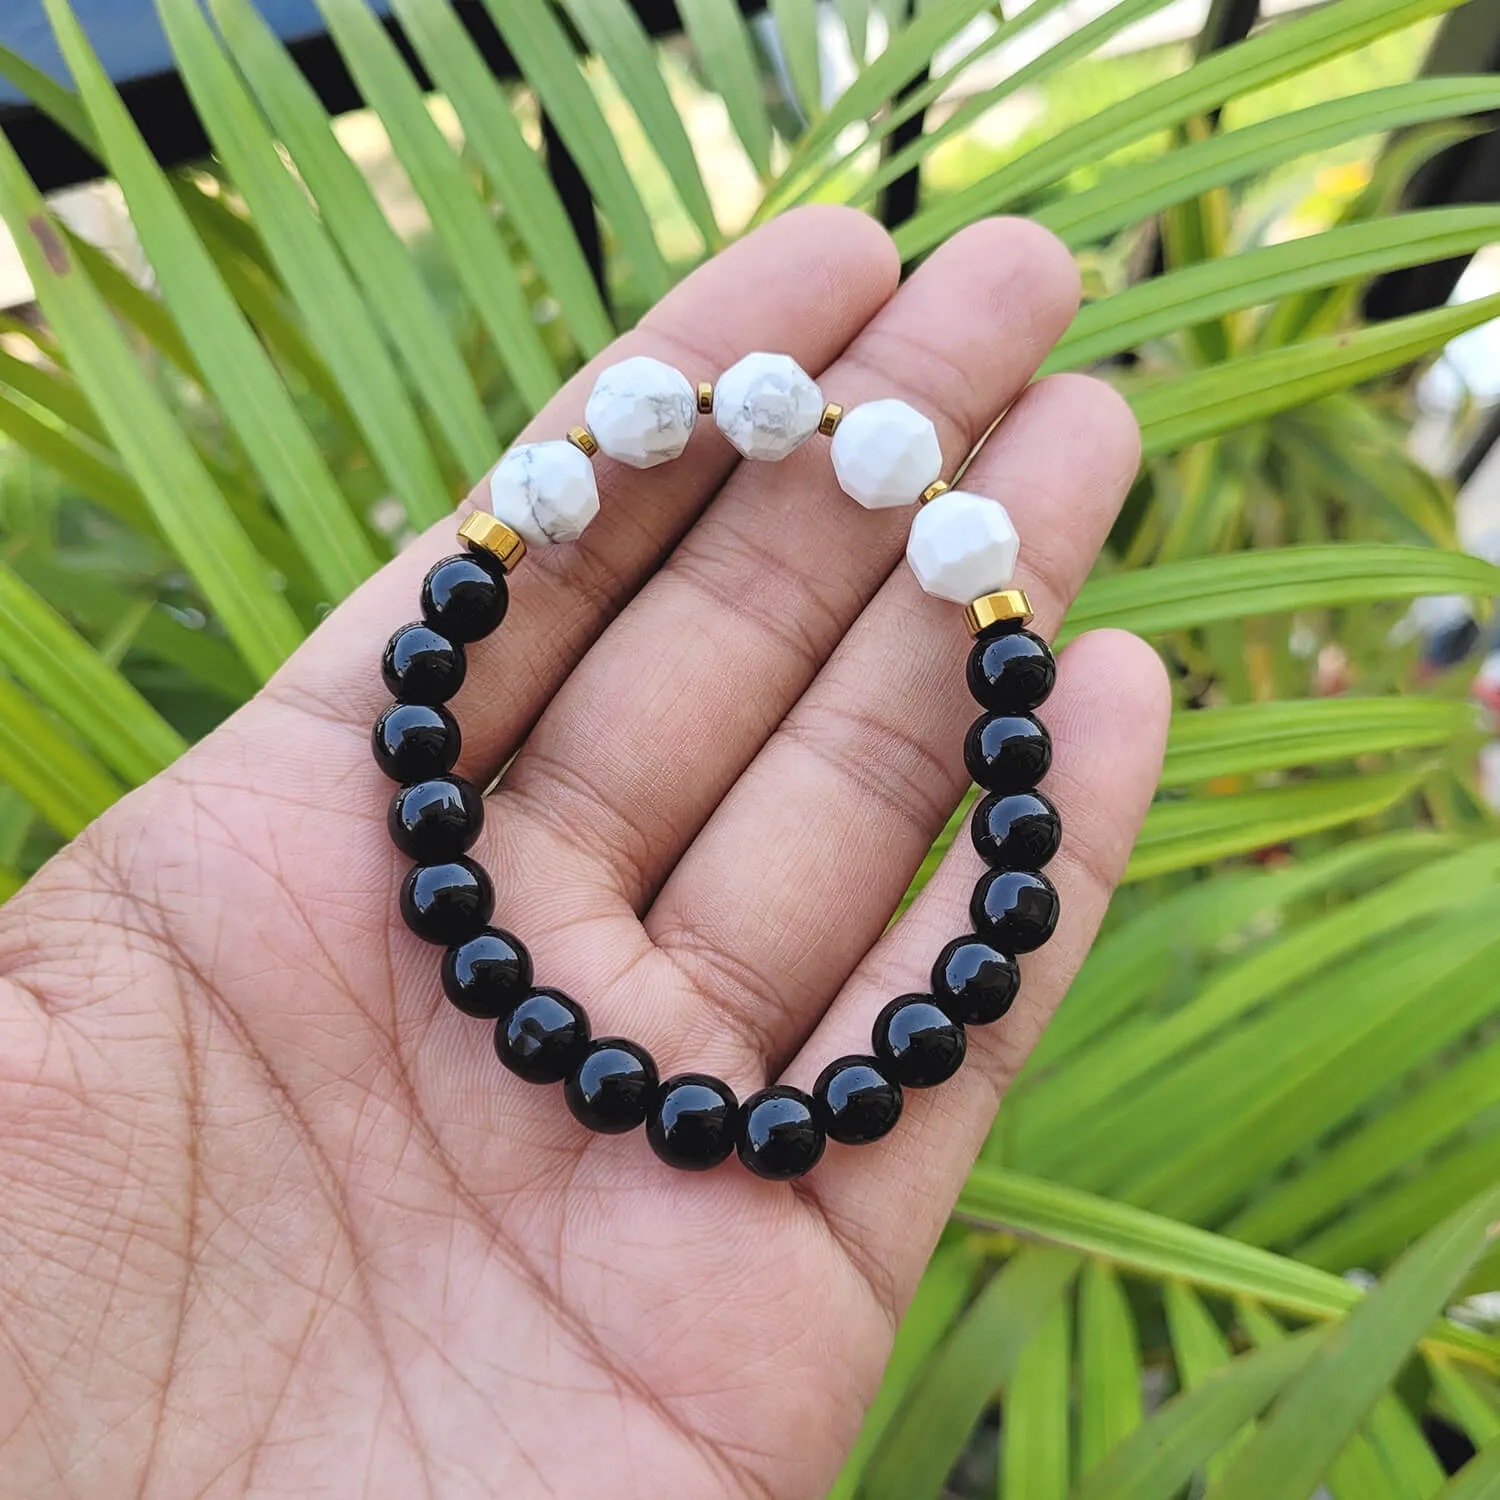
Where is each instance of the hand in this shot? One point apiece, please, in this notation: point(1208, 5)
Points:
point(275, 1221)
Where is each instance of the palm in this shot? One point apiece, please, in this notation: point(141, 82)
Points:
point(283, 1223)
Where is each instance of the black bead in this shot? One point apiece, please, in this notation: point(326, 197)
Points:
point(974, 982)
point(612, 1087)
point(918, 1043)
point(779, 1134)
point(413, 741)
point(1020, 831)
point(693, 1121)
point(435, 820)
point(447, 903)
point(1007, 752)
point(544, 1037)
point(855, 1100)
point(1015, 909)
point(485, 976)
point(421, 666)
point(1011, 672)
point(463, 599)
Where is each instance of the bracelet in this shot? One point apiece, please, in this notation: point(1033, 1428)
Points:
point(963, 548)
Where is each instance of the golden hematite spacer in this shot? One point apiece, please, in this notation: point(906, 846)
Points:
point(832, 414)
point(705, 396)
point(482, 530)
point(933, 490)
point(1006, 607)
point(583, 440)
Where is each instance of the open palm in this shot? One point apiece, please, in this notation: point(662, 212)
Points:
point(273, 1218)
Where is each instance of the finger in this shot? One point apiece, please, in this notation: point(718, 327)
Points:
point(887, 1202)
point(839, 809)
point(662, 716)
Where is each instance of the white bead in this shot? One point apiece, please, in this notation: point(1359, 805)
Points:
point(642, 411)
point(545, 491)
point(885, 453)
point(767, 405)
point(963, 546)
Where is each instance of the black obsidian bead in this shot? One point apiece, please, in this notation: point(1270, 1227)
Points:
point(612, 1087)
point(1010, 672)
point(421, 666)
point(1019, 831)
point(447, 903)
point(855, 1100)
point(485, 976)
point(1015, 909)
point(435, 820)
point(974, 982)
point(693, 1121)
point(544, 1037)
point(413, 741)
point(918, 1043)
point(1007, 752)
point(779, 1134)
point(462, 599)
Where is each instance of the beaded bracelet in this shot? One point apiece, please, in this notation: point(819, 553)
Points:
point(962, 548)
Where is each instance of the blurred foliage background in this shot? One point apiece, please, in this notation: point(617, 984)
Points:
point(1210, 1244)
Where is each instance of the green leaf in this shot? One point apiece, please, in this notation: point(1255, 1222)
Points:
point(1324, 1403)
point(726, 50)
point(1199, 1348)
point(1034, 1433)
point(53, 390)
point(1393, 1431)
point(1479, 1479)
point(1109, 1365)
point(797, 30)
point(1476, 1414)
point(50, 97)
point(67, 786)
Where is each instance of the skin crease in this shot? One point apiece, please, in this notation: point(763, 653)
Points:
point(273, 1220)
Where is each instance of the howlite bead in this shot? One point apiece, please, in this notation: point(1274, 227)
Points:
point(544, 1037)
point(488, 974)
point(413, 741)
point(462, 599)
point(1011, 672)
point(447, 903)
point(421, 666)
point(974, 982)
point(1015, 909)
point(779, 1134)
point(1019, 831)
point(693, 1121)
point(855, 1100)
point(612, 1087)
point(1007, 752)
point(918, 1043)
point(437, 820)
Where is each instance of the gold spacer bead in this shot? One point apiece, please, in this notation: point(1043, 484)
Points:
point(705, 395)
point(583, 440)
point(933, 490)
point(483, 532)
point(832, 414)
point(998, 609)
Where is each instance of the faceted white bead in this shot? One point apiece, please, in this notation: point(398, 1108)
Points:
point(885, 453)
point(642, 411)
point(545, 491)
point(767, 405)
point(963, 546)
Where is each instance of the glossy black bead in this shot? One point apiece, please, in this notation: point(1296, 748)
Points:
point(1015, 909)
point(437, 820)
point(413, 741)
point(779, 1135)
point(462, 599)
point(612, 1087)
point(693, 1121)
point(918, 1043)
point(1018, 831)
point(544, 1037)
point(447, 903)
point(1007, 752)
point(1011, 672)
point(974, 982)
point(421, 666)
point(488, 974)
point(855, 1100)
